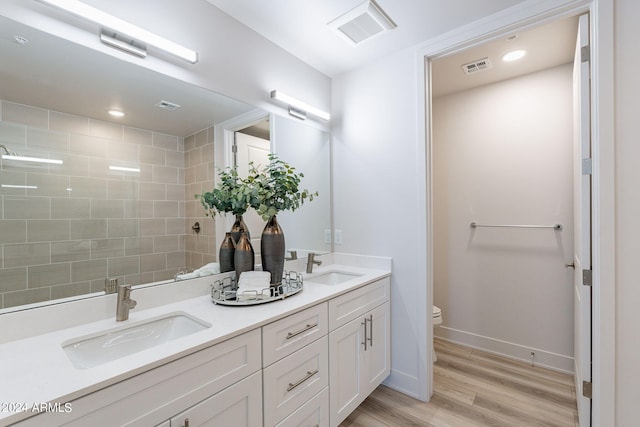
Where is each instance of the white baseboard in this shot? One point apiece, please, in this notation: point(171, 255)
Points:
point(545, 359)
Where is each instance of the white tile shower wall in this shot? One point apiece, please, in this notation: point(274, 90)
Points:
point(80, 222)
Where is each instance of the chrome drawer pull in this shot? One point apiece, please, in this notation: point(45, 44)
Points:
point(370, 338)
point(301, 331)
point(296, 384)
point(365, 333)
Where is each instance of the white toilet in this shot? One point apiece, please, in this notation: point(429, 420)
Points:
point(437, 320)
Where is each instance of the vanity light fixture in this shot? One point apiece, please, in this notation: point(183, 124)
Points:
point(121, 27)
point(297, 108)
point(28, 187)
point(12, 155)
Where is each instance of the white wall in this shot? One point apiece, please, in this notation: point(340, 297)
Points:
point(503, 155)
point(375, 193)
point(627, 93)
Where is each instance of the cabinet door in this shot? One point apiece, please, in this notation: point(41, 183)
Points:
point(345, 359)
point(313, 413)
point(239, 405)
point(377, 357)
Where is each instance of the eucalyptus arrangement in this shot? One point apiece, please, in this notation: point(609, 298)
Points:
point(276, 188)
point(231, 195)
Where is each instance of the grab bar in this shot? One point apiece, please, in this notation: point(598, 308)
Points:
point(554, 226)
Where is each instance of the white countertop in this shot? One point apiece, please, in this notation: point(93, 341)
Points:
point(36, 369)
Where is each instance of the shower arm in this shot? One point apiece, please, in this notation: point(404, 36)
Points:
point(7, 151)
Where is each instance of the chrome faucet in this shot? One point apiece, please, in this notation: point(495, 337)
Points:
point(310, 261)
point(294, 255)
point(125, 303)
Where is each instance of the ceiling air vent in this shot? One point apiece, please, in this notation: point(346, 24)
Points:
point(476, 66)
point(166, 105)
point(363, 22)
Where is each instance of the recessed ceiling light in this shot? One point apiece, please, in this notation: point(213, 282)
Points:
point(115, 113)
point(514, 55)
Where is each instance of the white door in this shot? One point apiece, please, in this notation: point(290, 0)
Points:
point(582, 219)
point(252, 149)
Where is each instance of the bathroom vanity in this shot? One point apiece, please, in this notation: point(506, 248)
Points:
point(310, 359)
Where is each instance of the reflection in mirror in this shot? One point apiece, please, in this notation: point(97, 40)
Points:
point(119, 205)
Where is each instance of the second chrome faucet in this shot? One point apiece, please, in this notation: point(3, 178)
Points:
point(311, 261)
point(125, 303)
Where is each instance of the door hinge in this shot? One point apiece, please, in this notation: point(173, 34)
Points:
point(587, 277)
point(234, 148)
point(585, 53)
point(587, 166)
point(587, 389)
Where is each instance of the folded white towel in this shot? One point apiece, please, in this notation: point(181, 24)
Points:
point(186, 276)
point(208, 269)
point(254, 285)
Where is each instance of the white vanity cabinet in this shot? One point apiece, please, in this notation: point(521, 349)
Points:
point(155, 396)
point(359, 346)
point(296, 368)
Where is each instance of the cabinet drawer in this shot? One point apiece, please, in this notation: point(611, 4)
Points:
point(354, 304)
point(156, 395)
point(313, 413)
point(292, 381)
point(239, 406)
point(282, 338)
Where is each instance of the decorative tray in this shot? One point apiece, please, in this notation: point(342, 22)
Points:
point(225, 291)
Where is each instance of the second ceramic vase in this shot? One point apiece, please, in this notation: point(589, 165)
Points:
point(272, 250)
point(243, 257)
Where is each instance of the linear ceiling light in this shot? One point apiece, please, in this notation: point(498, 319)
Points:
point(31, 159)
point(124, 169)
point(299, 108)
point(119, 26)
point(363, 22)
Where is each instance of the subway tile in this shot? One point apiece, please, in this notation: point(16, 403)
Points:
point(69, 251)
point(159, 276)
point(70, 208)
point(13, 136)
point(177, 260)
point(105, 130)
point(48, 185)
point(30, 296)
point(13, 279)
point(123, 228)
point(176, 226)
point(175, 192)
point(208, 152)
point(88, 146)
point(124, 265)
point(142, 209)
point(107, 248)
point(189, 143)
point(89, 270)
point(122, 189)
point(153, 155)
point(176, 159)
point(47, 230)
point(43, 141)
point(168, 142)
point(153, 262)
point(119, 151)
point(13, 231)
point(165, 175)
point(190, 175)
point(153, 191)
point(21, 255)
point(24, 114)
point(201, 138)
point(48, 275)
point(137, 136)
point(166, 209)
point(138, 245)
point(73, 165)
point(62, 122)
point(26, 208)
point(153, 227)
point(85, 229)
point(166, 244)
point(107, 208)
point(202, 172)
point(98, 285)
point(70, 290)
point(86, 187)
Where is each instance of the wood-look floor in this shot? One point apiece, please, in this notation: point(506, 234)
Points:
point(474, 388)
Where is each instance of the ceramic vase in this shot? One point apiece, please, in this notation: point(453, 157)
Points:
point(227, 253)
point(272, 250)
point(238, 228)
point(243, 257)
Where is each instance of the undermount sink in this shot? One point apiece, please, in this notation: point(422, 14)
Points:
point(332, 277)
point(102, 347)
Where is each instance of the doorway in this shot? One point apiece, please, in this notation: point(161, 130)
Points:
point(486, 276)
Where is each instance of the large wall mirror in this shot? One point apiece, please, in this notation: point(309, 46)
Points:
point(86, 199)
